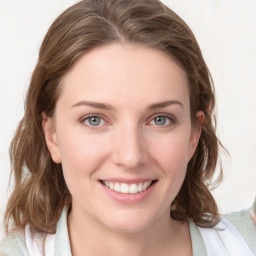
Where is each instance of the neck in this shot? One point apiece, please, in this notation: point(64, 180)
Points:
point(90, 237)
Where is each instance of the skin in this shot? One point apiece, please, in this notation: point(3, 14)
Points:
point(127, 143)
point(253, 215)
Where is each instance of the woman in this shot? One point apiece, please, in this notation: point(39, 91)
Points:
point(117, 148)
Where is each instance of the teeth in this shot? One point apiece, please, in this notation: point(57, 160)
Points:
point(133, 189)
point(126, 188)
point(111, 185)
point(140, 187)
point(117, 187)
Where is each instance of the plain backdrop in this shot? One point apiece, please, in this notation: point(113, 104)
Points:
point(226, 32)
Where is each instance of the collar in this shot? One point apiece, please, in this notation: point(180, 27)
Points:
point(62, 243)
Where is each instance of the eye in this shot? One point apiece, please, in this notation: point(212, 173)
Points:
point(163, 120)
point(93, 121)
point(160, 120)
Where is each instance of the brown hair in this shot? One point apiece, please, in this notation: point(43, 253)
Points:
point(40, 191)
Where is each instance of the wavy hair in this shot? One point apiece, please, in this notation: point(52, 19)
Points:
point(40, 191)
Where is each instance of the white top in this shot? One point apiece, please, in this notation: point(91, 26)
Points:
point(224, 240)
point(221, 240)
point(35, 246)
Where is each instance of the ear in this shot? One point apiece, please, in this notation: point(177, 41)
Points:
point(196, 133)
point(48, 124)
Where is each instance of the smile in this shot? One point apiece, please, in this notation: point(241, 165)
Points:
point(128, 191)
point(125, 188)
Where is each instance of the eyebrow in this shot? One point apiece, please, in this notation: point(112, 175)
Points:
point(165, 104)
point(107, 106)
point(93, 104)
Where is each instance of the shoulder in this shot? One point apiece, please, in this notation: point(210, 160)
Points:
point(14, 244)
point(243, 222)
point(235, 233)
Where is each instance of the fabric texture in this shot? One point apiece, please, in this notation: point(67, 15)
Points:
point(224, 240)
point(36, 244)
point(15, 243)
point(243, 222)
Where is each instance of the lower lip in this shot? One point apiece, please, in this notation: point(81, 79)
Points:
point(129, 198)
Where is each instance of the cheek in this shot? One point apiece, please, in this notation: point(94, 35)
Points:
point(172, 156)
point(173, 162)
point(81, 158)
point(81, 155)
point(172, 152)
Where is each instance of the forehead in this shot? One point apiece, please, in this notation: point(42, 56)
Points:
point(125, 73)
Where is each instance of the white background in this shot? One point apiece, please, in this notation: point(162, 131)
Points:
point(226, 32)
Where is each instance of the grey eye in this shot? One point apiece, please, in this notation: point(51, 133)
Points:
point(160, 120)
point(94, 121)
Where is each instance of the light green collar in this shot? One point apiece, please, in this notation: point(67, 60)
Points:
point(62, 244)
point(198, 246)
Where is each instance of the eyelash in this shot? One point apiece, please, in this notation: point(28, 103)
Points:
point(87, 117)
point(171, 118)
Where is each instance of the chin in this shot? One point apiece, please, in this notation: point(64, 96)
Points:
point(129, 222)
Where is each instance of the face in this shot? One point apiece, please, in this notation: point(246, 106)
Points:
point(122, 132)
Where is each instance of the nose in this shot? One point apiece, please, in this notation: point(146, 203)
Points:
point(129, 148)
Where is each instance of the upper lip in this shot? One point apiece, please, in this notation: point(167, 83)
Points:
point(128, 181)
